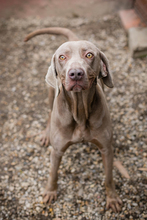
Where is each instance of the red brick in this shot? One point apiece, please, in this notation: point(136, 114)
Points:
point(130, 19)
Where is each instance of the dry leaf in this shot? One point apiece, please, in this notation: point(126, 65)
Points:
point(121, 169)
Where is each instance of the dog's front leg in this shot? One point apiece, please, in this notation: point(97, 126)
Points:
point(51, 188)
point(113, 200)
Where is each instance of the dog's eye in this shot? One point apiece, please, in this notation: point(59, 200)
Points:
point(62, 57)
point(89, 55)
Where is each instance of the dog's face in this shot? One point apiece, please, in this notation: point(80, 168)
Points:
point(76, 64)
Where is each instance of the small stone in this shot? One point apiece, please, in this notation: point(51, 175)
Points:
point(11, 188)
point(134, 204)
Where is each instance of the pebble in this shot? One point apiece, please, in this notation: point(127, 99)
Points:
point(24, 110)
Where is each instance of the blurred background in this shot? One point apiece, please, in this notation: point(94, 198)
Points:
point(45, 8)
point(133, 13)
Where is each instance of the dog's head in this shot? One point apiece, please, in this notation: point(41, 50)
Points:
point(76, 65)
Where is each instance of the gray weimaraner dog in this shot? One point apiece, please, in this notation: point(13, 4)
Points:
point(78, 111)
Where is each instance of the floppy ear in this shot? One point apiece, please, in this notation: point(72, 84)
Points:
point(105, 71)
point(51, 76)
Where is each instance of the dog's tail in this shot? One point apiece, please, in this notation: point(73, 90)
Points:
point(53, 30)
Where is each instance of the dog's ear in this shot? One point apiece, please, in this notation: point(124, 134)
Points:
point(51, 76)
point(105, 71)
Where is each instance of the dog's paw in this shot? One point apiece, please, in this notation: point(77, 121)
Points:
point(49, 196)
point(44, 139)
point(114, 202)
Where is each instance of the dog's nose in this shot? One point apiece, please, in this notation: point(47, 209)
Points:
point(76, 74)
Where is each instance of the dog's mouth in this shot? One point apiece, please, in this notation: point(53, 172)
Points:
point(77, 87)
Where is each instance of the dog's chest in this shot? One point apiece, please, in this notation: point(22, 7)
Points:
point(81, 133)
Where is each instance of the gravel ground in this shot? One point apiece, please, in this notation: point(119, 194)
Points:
point(24, 110)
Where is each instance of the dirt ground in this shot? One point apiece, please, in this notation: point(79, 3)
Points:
point(25, 164)
point(58, 8)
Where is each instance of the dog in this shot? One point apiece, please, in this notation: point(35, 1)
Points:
point(78, 111)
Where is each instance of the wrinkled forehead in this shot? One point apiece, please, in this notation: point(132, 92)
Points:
point(76, 46)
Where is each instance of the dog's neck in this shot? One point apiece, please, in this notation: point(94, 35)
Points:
point(80, 103)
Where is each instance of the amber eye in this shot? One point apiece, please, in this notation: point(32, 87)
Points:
point(89, 55)
point(62, 57)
